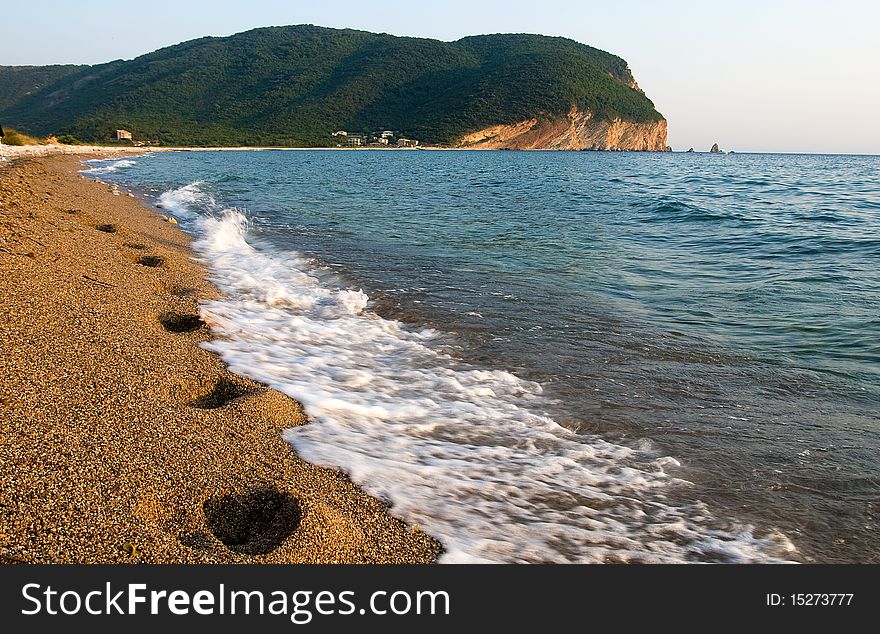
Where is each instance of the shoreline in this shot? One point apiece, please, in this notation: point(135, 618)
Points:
point(14, 152)
point(122, 440)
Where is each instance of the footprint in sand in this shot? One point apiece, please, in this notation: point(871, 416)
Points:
point(222, 393)
point(255, 522)
point(180, 322)
point(151, 261)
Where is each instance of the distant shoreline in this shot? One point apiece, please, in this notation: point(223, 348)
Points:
point(12, 152)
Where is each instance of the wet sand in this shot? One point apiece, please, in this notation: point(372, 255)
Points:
point(121, 440)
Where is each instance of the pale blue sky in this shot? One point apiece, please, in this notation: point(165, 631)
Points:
point(762, 75)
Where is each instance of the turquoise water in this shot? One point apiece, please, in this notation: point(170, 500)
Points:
point(682, 349)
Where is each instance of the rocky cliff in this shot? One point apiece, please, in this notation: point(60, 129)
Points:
point(575, 131)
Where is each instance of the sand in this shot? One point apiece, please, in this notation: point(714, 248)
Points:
point(32, 151)
point(121, 440)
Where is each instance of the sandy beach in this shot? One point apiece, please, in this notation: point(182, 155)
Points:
point(121, 440)
point(51, 149)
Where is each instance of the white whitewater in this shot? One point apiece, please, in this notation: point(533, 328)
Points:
point(107, 166)
point(465, 453)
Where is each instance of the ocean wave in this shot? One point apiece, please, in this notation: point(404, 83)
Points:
point(112, 165)
point(793, 246)
point(464, 452)
point(187, 201)
point(665, 211)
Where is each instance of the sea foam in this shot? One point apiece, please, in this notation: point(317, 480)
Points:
point(464, 452)
point(107, 166)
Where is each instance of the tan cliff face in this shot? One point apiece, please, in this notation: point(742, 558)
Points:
point(575, 131)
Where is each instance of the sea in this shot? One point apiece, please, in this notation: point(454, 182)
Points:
point(549, 356)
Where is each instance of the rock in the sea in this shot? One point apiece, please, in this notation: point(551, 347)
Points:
point(715, 149)
point(690, 149)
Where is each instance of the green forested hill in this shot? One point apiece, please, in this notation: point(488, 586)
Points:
point(294, 85)
point(17, 82)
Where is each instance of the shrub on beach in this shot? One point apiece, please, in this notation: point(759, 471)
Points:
point(68, 139)
point(14, 137)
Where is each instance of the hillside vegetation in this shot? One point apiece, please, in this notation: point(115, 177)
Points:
point(17, 82)
point(294, 85)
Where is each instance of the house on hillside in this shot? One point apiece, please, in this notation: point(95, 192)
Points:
point(123, 135)
point(403, 142)
point(356, 139)
point(339, 133)
point(386, 134)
